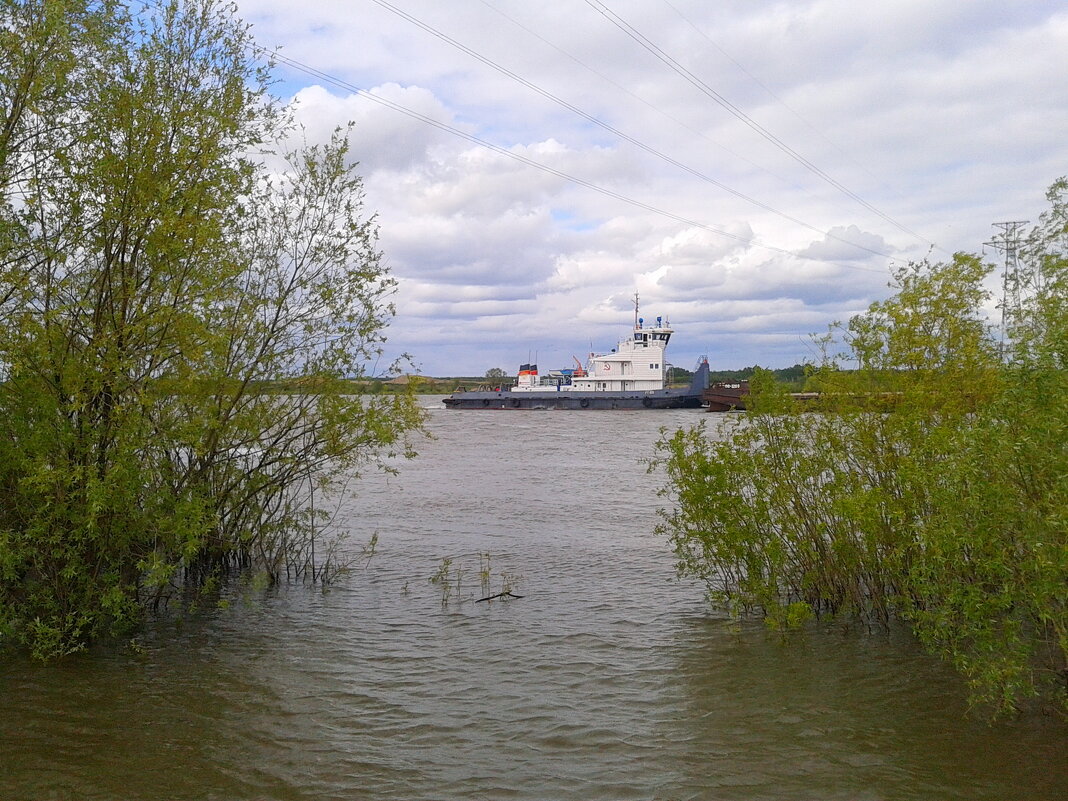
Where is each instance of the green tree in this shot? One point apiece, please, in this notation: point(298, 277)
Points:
point(495, 375)
point(46, 51)
point(159, 283)
point(929, 484)
point(989, 590)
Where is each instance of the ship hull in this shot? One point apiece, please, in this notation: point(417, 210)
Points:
point(567, 400)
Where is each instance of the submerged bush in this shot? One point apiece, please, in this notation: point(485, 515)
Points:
point(153, 278)
point(928, 483)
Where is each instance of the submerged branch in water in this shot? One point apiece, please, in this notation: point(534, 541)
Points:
point(498, 595)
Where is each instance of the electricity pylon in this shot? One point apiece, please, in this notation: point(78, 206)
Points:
point(1016, 278)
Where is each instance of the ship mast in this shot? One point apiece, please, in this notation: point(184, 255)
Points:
point(635, 311)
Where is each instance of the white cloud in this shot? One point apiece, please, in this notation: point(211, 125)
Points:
point(381, 137)
point(944, 116)
point(846, 243)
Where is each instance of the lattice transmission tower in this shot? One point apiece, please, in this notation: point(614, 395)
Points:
point(1016, 278)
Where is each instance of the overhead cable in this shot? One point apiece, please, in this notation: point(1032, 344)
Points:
point(615, 131)
point(674, 65)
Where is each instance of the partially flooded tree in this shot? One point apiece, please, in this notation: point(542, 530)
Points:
point(987, 588)
point(178, 322)
point(928, 484)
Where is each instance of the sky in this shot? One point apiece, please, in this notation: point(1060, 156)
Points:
point(751, 170)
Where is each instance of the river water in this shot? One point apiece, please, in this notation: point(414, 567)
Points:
point(607, 679)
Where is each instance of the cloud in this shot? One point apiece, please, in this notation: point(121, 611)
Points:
point(945, 117)
point(847, 243)
point(381, 138)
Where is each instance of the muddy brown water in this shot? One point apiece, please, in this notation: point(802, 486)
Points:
point(608, 679)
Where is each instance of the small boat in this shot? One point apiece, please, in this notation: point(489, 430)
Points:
point(632, 375)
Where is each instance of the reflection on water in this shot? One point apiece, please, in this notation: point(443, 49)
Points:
point(607, 680)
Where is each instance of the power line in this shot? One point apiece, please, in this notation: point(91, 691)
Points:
point(620, 87)
point(509, 153)
point(707, 90)
point(615, 131)
point(338, 82)
point(274, 55)
point(766, 88)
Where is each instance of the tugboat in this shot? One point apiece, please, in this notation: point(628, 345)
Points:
point(632, 375)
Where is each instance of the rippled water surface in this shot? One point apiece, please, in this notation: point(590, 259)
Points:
point(606, 680)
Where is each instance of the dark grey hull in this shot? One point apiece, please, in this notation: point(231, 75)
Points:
point(688, 398)
point(573, 400)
